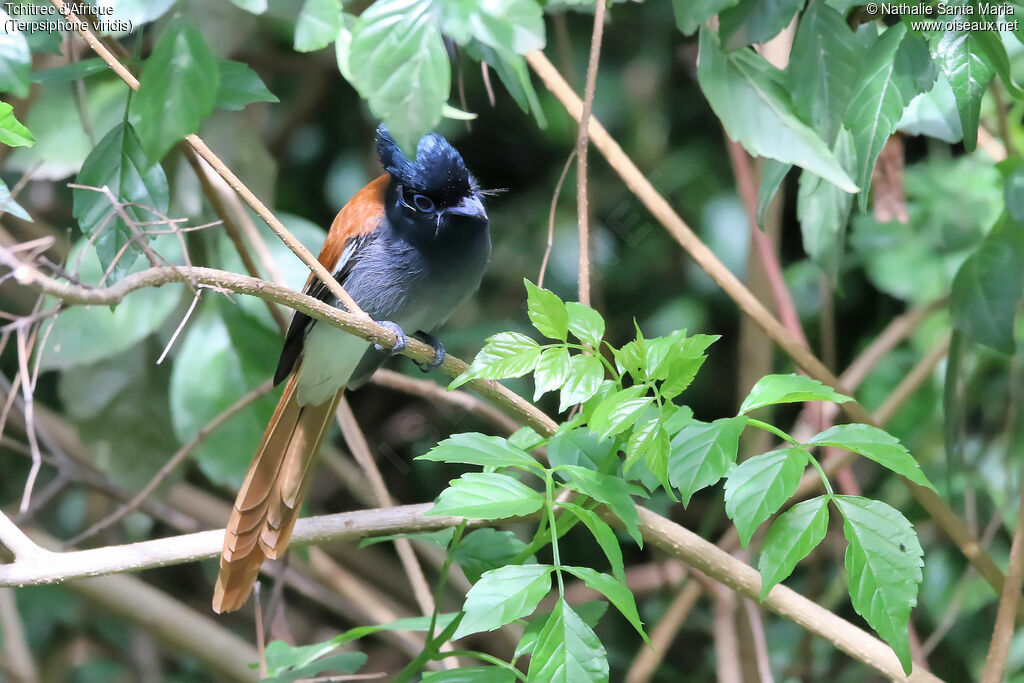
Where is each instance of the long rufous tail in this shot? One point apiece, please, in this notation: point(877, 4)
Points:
point(268, 503)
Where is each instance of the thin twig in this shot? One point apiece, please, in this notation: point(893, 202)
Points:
point(551, 217)
point(181, 326)
point(648, 657)
point(582, 147)
point(173, 462)
point(27, 390)
point(1002, 633)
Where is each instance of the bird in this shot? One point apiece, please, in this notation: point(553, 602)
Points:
point(410, 248)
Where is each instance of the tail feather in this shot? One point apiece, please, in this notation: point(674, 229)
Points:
point(268, 503)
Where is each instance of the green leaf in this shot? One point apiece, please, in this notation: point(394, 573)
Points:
point(968, 69)
point(702, 453)
point(225, 353)
point(472, 448)
point(790, 538)
point(876, 444)
point(177, 89)
point(756, 21)
point(883, 565)
point(139, 12)
point(675, 417)
point(607, 489)
point(1013, 194)
point(567, 650)
point(892, 77)
point(585, 375)
point(590, 612)
point(8, 205)
point(823, 67)
point(824, 211)
point(933, 114)
point(83, 68)
point(514, 74)
point(253, 6)
point(585, 323)
point(603, 534)
point(239, 86)
point(760, 485)
point(486, 549)
point(650, 443)
point(12, 133)
point(119, 164)
point(772, 174)
point(471, 674)
point(792, 388)
point(487, 495)
point(82, 335)
point(508, 354)
point(690, 14)
point(552, 370)
point(400, 67)
point(579, 446)
point(547, 312)
point(515, 26)
point(619, 411)
point(318, 25)
point(749, 96)
point(503, 595)
point(615, 590)
point(344, 663)
point(525, 438)
point(986, 292)
point(15, 59)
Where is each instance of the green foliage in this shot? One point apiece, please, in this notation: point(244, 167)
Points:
point(759, 486)
point(876, 444)
point(139, 189)
point(12, 132)
point(567, 650)
point(790, 539)
point(15, 60)
point(755, 21)
point(987, 291)
point(773, 389)
point(503, 595)
point(239, 85)
point(177, 89)
point(487, 496)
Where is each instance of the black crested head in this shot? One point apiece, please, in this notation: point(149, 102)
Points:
point(438, 171)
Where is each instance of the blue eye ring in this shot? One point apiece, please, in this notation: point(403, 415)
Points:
point(423, 203)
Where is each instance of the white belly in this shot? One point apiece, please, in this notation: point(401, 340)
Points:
point(328, 359)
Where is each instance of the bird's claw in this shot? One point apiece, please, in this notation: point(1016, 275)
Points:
point(439, 352)
point(401, 341)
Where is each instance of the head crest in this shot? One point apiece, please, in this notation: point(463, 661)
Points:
point(438, 170)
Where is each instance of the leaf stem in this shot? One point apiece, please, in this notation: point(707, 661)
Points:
point(793, 442)
point(483, 656)
point(549, 491)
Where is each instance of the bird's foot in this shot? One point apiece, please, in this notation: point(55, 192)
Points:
point(439, 352)
point(401, 342)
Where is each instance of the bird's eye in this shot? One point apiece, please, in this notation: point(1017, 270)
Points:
point(423, 203)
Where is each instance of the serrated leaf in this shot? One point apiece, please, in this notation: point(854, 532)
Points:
point(876, 444)
point(239, 86)
point(579, 446)
point(585, 323)
point(514, 26)
point(968, 69)
point(649, 443)
point(748, 95)
point(318, 25)
point(177, 89)
point(615, 590)
point(487, 495)
point(607, 489)
point(503, 595)
point(823, 68)
point(514, 74)
point(792, 388)
point(760, 485)
point(585, 376)
point(889, 82)
point(702, 453)
point(604, 536)
point(472, 448)
point(525, 438)
point(508, 354)
point(883, 566)
point(986, 292)
point(824, 211)
point(12, 133)
point(399, 65)
point(484, 550)
point(619, 411)
point(755, 21)
point(15, 59)
point(552, 370)
point(791, 537)
point(590, 612)
point(8, 205)
point(119, 163)
point(546, 311)
point(567, 650)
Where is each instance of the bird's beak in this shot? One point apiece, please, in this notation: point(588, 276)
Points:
point(471, 207)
